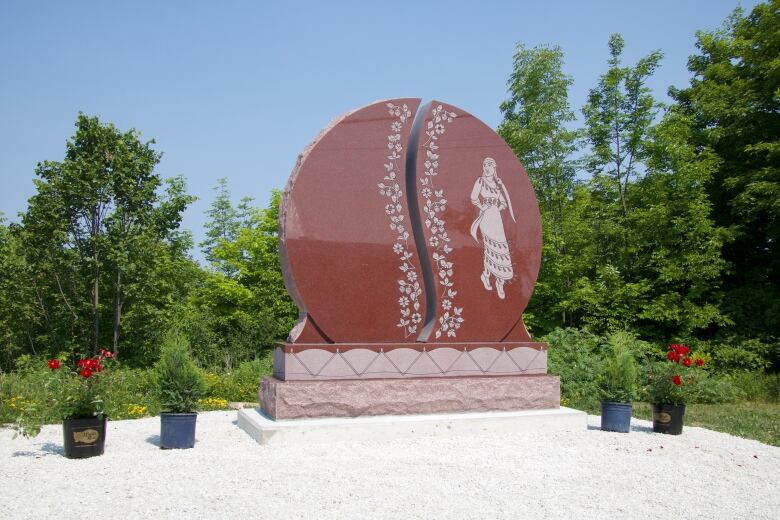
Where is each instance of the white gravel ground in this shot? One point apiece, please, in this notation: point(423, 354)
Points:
point(584, 474)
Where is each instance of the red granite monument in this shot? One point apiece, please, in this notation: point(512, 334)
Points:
point(410, 241)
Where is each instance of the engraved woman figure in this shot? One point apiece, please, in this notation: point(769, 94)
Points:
point(491, 197)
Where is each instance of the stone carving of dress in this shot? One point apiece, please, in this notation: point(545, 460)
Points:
point(489, 197)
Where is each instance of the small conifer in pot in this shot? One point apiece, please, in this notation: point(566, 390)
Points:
point(180, 385)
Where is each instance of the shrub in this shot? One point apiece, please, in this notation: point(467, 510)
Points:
point(212, 403)
point(21, 389)
point(132, 394)
point(618, 374)
point(741, 355)
point(712, 389)
point(573, 356)
point(179, 382)
point(242, 383)
point(757, 386)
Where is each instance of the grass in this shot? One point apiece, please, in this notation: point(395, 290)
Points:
point(753, 420)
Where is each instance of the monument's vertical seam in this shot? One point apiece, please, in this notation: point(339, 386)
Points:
point(409, 285)
point(416, 223)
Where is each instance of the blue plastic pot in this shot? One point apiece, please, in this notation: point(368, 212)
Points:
point(616, 417)
point(177, 430)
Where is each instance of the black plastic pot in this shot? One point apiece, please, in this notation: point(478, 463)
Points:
point(616, 417)
point(668, 418)
point(84, 437)
point(177, 430)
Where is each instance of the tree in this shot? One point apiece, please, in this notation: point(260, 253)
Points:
point(17, 311)
point(95, 223)
point(534, 126)
point(734, 103)
point(233, 317)
point(641, 249)
point(618, 117)
point(677, 242)
point(605, 294)
point(224, 223)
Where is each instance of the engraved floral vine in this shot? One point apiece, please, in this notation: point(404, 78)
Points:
point(409, 285)
point(435, 203)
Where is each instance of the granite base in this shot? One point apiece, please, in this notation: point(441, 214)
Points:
point(308, 361)
point(349, 398)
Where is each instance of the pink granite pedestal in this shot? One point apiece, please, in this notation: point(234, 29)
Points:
point(351, 398)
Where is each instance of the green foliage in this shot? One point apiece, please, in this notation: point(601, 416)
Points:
point(734, 104)
point(97, 258)
point(179, 381)
point(634, 246)
point(757, 386)
point(241, 384)
point(734, 355)
point(618, 116)
point(619, 372)
point(65, 392)
point(224, 224)
point(534, 126)
point(712, 389)
point(131, 393)
point(230, 319)
point(573, 355)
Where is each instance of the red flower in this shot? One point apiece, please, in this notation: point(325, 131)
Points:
point(106, 353)
point(679, 349)
point(699, 362)
point(676, 380)
point(687, 362)
point(85, 373)
point(54, 364)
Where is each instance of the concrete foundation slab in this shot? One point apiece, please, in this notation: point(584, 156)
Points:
point(354, 429)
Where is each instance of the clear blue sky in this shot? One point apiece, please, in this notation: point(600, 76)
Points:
point(237, 89)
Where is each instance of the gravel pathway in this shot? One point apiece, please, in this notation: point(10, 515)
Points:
point(584, 474)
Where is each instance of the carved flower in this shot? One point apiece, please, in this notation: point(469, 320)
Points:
point(411, 275)
point(416, 318)
point(396, 126)
point(403, 301)
point(439, 129)
point(398, 248)
point(446, 305)
point(433, 241)
point(426, 192)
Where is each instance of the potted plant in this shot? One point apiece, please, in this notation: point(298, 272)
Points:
point(179, 386)
point(74, 395)
point(671, 381)
point(617, 386)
